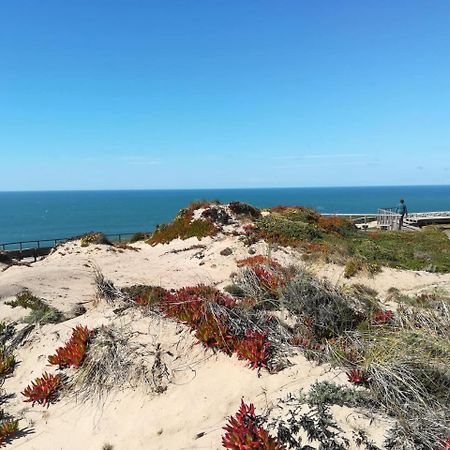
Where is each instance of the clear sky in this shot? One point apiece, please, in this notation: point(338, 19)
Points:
point(104, 94)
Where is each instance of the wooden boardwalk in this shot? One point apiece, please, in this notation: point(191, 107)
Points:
point(388, 218)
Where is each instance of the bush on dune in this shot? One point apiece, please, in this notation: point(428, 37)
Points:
point(262, 279)
point(94, 237)
point(244, 210)
point(115, 360)
point(325, 310)
point(139, 236)
point(416, 250)
point(184, 226)
point(295, 416)
point(281, 230)
point(402, 358)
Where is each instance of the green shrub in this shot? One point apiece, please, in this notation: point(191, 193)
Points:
point(25, 299)
point(245, 210)
point(338, 240)
point(94, 237)
point(234, 290)
point(328, 393)
point(183, 227)
point(327, 310)
point(279, 229)
point(139, 236)
point(44, 314)
point(417, 250)
point(5, 258)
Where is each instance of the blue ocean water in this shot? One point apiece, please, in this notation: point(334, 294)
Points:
point(59, 214)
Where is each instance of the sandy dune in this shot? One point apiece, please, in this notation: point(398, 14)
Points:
point(203, 388)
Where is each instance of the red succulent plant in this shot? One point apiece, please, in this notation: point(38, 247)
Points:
point(191, 305)
point(380, 317)
point(255, 348)
point(358, 377)
point(43, 390)
point(73, 352)
point(244, 433)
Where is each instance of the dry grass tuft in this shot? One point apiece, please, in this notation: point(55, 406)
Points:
point(114, 361)
point(106, 289)
point(408, 364)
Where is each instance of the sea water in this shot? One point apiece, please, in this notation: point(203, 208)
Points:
point(60, 214)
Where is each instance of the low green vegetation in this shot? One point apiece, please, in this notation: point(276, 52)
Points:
point(41, 312)
point(337, 239)
point(329, 393)
point(184, 226)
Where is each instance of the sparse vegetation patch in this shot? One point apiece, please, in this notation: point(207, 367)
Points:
point(41, 312)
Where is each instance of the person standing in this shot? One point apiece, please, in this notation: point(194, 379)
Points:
point(403, 211)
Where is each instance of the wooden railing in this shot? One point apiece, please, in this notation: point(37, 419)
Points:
point(388, 218)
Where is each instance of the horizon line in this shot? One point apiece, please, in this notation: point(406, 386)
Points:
point(224, 188)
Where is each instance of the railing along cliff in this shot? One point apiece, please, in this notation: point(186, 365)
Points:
point(387, 218)
point(42, 247)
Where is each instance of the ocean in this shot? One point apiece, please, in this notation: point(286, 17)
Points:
point(59, 214)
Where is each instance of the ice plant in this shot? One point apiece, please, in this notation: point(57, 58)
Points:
point(214, 333)
point(255, 348)
point(271, 281)
point(358, 377)
point(381, 317)
point(43, 390)
point(189, 304)
point(7, 430)
point(192, 306)
point(306, 343)
point(244, 433)
point(7, 362)
point(73, 352)
point(141, 300)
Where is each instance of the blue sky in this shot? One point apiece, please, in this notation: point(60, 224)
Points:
point(104, 94)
